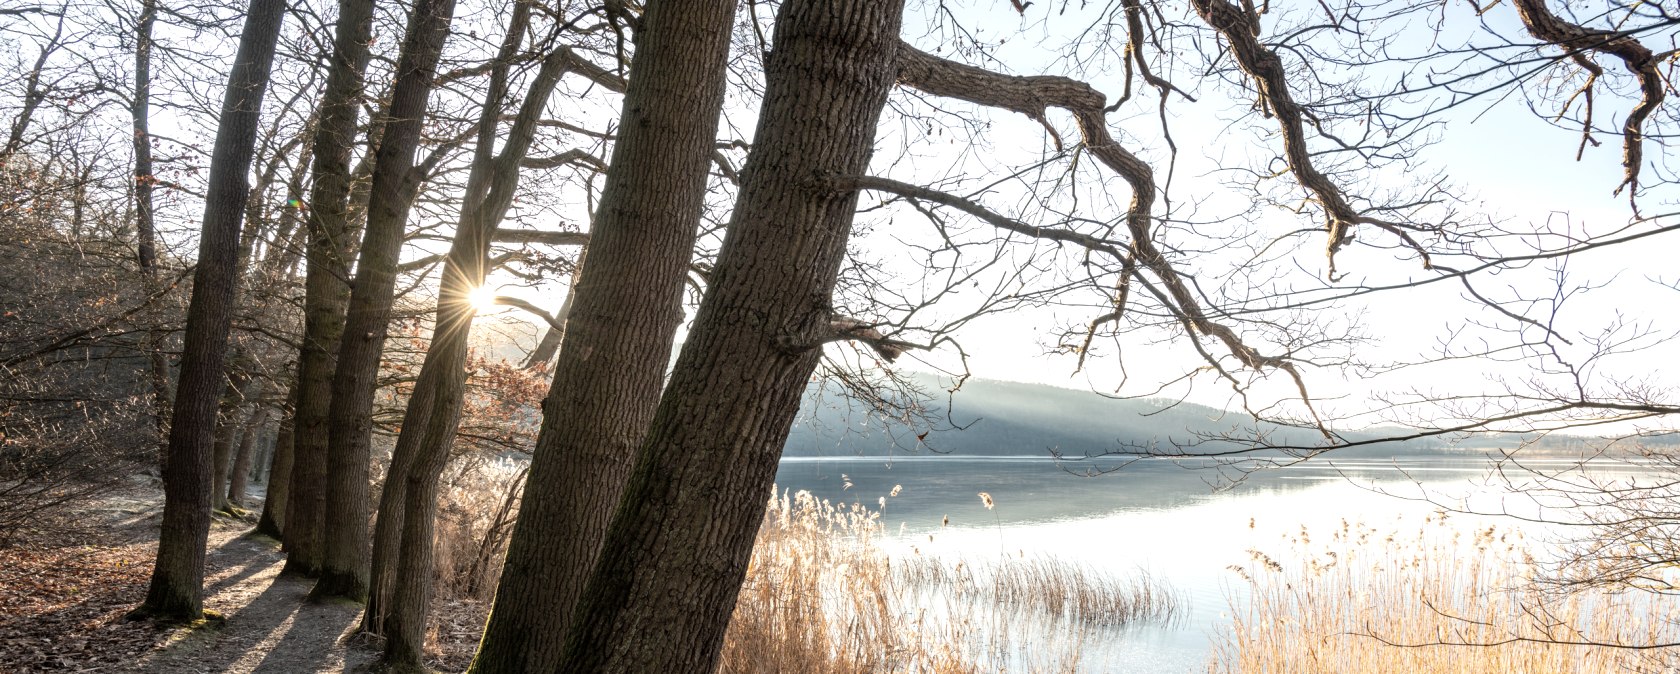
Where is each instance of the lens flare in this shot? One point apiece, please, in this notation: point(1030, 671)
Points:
point(482, 298)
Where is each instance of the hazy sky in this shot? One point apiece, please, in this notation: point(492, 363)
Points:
point(1511, 168)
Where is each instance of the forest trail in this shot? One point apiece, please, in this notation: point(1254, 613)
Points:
point(270, 627)
point(62, 605)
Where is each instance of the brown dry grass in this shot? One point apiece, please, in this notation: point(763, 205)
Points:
point(822, 596)
point(1409, 603)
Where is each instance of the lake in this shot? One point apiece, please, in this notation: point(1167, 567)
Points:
point(1185, 526)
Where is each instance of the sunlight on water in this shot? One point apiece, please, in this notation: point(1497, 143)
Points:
point(1165, 521)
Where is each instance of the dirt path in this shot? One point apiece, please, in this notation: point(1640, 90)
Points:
point(62, 604)
point(270, 626)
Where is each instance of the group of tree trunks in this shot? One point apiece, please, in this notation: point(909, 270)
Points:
point(646, 484)
point(610, 421)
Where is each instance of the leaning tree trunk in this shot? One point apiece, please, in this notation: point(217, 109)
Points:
point(177, 586)
point(549, 344)
point(326, 286)
point(443, 374)
point(623, 321)
point(272, 522)
point(344, 571)
point(241, 474)
point(663, 591)
point(387, 535)
point(227, 433)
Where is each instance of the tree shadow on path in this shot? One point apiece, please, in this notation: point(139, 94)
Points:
point(270, 627)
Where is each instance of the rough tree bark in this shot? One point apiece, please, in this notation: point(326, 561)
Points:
point(240, 476)
point(272, 522)
point(177, 585)
point(464, 270)
point(326, 287)
point(227, 433)
point(344, 571)
point(1643, 64)
point(623, 321)
point(663, 591)
point(388, 530)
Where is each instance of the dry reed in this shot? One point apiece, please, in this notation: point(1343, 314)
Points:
point(1050, 587)
point(823, 596)
point(1442, 599)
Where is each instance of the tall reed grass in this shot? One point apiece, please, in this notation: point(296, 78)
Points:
point(826, 592)
point(1438, 600)
point(824, 595)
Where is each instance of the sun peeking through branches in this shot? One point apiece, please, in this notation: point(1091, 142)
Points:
point(482, 299)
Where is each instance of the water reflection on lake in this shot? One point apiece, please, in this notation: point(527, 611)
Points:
point(1153, 516)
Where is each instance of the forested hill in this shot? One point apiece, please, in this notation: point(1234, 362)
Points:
point(1000, 418)
point(997, 418)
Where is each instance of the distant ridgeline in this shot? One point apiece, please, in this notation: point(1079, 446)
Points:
point(999, 418)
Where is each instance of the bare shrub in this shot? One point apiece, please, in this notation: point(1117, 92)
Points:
point(477, 508)
point(75, 413)
point(59, 462)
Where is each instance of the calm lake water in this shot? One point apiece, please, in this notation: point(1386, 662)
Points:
point(1182, 525)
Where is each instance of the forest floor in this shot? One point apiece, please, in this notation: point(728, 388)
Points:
point(63, 601)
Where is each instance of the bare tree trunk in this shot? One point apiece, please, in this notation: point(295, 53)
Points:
point(326, 287)
point(227, 432)
point(444, 371)
point(177, 586)
point(261, 457)
point(626, 311)
point(549, 345)
point(283, 252)
point(78, 215)
point(145, 231)
point(247, 450)
point(272, 523)
point(262, 460)
point(344, 571)
point(387, 536)
point(665, 587)
point(33, 94)
point(411, 584)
